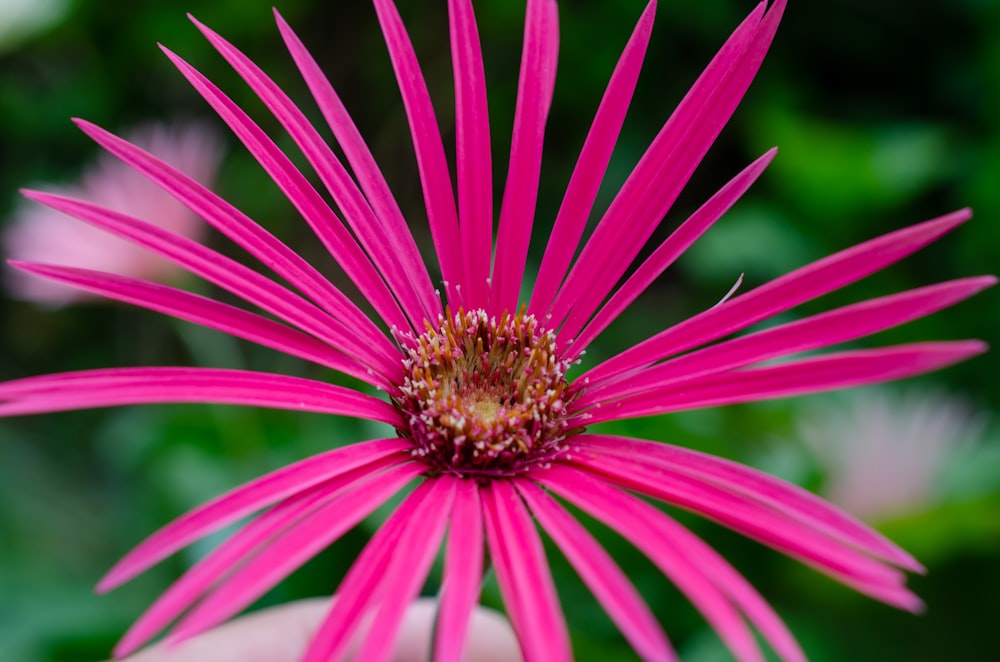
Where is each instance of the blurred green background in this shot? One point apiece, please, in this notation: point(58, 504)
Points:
point(885, 114)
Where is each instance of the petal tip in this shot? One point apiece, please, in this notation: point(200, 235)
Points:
point(959, 215)
point(977, 284)
point(974, 347)
point(283, 25)
point(106, 585)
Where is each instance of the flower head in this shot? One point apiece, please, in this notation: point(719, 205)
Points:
point(883, 452)
point(43, 234)
point(484, 398)
point(492, 426)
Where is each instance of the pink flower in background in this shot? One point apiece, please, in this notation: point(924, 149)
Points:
point(42, 234)
point(883, 452)
point(490, 426)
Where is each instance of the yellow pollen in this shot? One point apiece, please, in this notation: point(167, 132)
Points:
point(483, 409)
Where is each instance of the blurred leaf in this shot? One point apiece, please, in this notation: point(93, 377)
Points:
point(752, 239)
point(949, 529)
point(846, 171)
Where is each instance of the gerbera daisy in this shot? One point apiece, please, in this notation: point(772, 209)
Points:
point(491, 426)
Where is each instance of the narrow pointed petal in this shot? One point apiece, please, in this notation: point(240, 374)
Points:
point(786, 498)
point(591, 167)
point(408, 569)
point(474, 159)
point(814, 375)
point(523, 574)
point(431, 162)
point(463, 574)
point(816, 332)
point(230, 275)
point(294, 547)
point(602, 575)
point(667, 165)
point(325, 224)
point(781, 294)
point(363, 588)
point(534, 98)
point(742, 594)
point(392, 254)
point(236, 226)
point(248, 498)
point(664, 542)
point(730, 582)
point(258, 533)
point(672, 247)
point(362, 162)
point(209, 313)
point(89, 389)
point(752, 519)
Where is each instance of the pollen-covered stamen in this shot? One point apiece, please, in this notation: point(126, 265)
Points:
point(484, 396)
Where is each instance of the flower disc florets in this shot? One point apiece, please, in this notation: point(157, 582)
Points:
point(484, 396)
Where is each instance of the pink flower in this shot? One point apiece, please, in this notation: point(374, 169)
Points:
point(43, 234)
point(883, 452)
point(490, 427)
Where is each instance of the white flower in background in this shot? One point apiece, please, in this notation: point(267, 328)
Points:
point(41, 234)
point(885, 453)
point(20, 19)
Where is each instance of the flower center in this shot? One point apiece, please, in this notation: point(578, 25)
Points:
point(484, 397)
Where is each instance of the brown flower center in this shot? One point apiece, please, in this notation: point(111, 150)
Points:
point(484, 396)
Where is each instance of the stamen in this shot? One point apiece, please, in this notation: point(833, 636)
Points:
point(484, 397)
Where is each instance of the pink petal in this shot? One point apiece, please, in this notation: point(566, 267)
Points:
point(792, 501)
point(473, 155)
point(232, 276)
point(813, 375)
point(391, 253)
point(463, 573)
point(434, 173)
point(816, 332)
point(523, 575)
point(113, 387)
point(408, 567)
point(362, 162)
point(601, 574)
point(242, 230)
point(744, 596)
point(666, 166)
point(209, 313)
point(292, 548)
point(663, 541)
point(364, 587)
point(246, 499)
point(809, 282)
point(672, 247)
point(326, 225)
point(715, 568)
point(750, 518)
point(590, 167)
point(258, 533)
point(534, 98)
